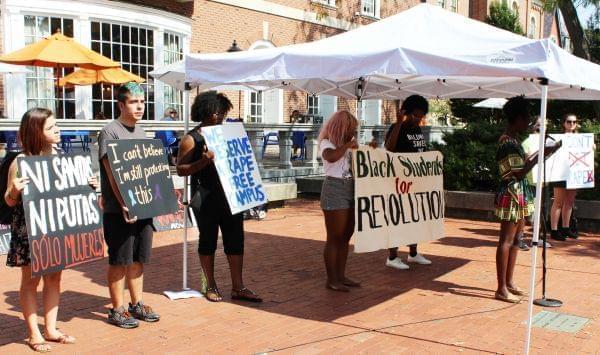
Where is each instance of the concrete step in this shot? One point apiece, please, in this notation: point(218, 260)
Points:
point(311, 185)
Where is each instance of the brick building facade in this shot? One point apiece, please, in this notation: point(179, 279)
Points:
point(146, 34)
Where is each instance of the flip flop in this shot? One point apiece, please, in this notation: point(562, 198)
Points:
point(517, 291)
point(37, 347)
point(508, 299)
point(239, 296)
point(63, 339)
point(351, 283)
point(337, 288)
point(215, 292)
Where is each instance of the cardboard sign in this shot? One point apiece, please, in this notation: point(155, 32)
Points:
point(399, 198)
point(142, 173)
point(236, 165)
point(4, 239)
point(573, 162)
point(61, 212)
point(174, 221)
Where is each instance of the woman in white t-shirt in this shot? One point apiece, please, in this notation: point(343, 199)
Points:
point(336, 140)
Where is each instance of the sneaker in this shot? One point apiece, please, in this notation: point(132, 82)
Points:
point(121, 318)
point(419, 259)
point(557, 235)
point(568, 233)
point(522, 245)
point(261, 215)
point(143, 312)
point(396, 264)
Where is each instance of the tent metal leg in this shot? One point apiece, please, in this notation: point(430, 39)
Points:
point(537, 214)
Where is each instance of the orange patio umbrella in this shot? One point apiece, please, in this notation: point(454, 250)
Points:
point(103, 76)
point(58, 51)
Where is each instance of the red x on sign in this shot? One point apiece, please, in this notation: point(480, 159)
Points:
point(573, 158)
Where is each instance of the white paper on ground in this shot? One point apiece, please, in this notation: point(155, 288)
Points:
point(177, 295)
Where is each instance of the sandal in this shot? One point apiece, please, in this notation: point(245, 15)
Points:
point(516, 291)
point(40, 347)
point(212, 294)
point(340, 288)
point(508, 298)
point(245, 295)
point(350, 283)
point(63, 339)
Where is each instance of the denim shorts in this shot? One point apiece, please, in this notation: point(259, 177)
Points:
point(337, 194)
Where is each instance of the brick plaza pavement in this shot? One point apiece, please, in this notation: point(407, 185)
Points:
point(447, 307)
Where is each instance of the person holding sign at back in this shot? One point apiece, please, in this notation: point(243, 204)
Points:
point(38, 135)
point(209, 202)
point(514, 199)
point(564, 199)
point(129, 240)
point(337, 138)
point(405, 136)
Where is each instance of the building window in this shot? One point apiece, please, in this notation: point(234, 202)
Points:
point(313, 105)
point(368, 7)
point(531, 33)
point(173, 52)
point(331, 3)
point(442, 3)
point(256, 106)
point(133, 47)
point(454, 5)
point(40, 82)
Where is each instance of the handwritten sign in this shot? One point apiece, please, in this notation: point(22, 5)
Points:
point(61, 212)
point(236, 165)
point(573, 162)
point(142, 173)
point(399, 198)
point(4, 239)
point(174, 221)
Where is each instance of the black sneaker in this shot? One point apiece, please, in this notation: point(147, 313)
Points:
point(121, 318)
point(557, 235)
point(568, 233)
point(143, 312)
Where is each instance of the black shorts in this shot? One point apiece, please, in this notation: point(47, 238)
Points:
point(215, 214)
point(127, 243)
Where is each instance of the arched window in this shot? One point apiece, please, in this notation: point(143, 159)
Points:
point(531, 32)
point(515, 7)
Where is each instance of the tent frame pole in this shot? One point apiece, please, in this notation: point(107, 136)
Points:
point(538, 209)
point(186, 191)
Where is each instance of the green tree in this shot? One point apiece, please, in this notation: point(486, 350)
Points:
point(503, 17)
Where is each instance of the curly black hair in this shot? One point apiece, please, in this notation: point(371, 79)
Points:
point(414, 102)
point(205, 105)
point(516, 107)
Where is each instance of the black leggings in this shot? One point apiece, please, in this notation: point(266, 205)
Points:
point(213, 214)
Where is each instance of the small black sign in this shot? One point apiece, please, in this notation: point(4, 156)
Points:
point(141, 171)
point(174, 221)
point(61, 212)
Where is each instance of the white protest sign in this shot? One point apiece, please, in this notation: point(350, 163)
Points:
point(573, 162)
point(399, 198)
point(236, 165)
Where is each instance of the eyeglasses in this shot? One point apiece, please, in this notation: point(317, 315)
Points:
point(571, 122)
point(173, 113)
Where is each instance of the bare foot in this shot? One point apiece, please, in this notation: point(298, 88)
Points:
point(516, 290)
point(58, 337)
point(350, 283)
point(337, 286)
point(38, 344)
point(507, 297)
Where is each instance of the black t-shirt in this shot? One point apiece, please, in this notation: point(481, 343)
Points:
point(410, 139)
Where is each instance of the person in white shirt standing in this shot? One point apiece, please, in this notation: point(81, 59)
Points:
point(336, 141)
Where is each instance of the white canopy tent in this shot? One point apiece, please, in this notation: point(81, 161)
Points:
point(493, 103)
point(425, 50)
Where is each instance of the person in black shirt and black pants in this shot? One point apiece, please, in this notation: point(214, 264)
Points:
point(196, 159)
point(405, 136)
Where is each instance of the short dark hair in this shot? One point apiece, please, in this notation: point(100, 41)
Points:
point(224, 104)
point(515, 107)
point(205, 105)
point(415, 102)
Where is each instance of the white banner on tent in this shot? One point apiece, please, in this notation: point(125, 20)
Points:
point(236, 165)
point(399, 198)
point(573, 162)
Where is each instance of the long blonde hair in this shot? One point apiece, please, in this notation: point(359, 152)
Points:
point(339, 127)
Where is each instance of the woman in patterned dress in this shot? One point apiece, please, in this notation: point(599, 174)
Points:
point(38, 135)
point(514, 200)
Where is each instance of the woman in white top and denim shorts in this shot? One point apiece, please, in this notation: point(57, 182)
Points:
point(336, 141)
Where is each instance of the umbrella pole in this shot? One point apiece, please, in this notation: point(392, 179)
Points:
point(538, 210)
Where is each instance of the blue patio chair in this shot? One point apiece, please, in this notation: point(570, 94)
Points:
point(10, 138)
point(270, 138)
